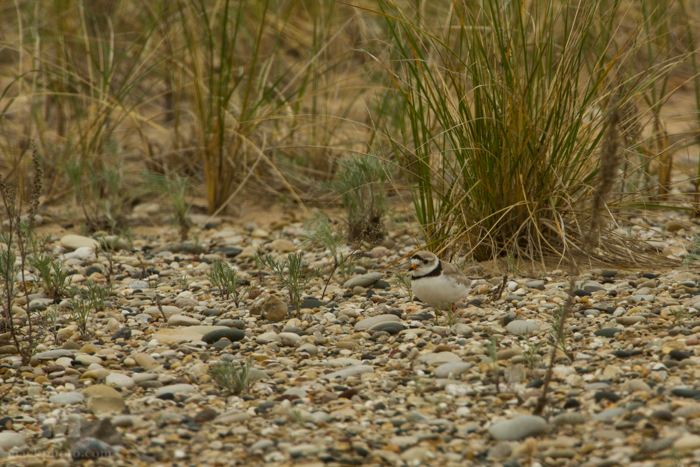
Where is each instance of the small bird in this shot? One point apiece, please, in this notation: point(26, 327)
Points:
point(436, 282)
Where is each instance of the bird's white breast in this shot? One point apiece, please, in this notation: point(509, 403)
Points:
point(438, 291)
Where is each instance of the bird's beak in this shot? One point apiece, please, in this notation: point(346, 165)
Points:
point(414, 266)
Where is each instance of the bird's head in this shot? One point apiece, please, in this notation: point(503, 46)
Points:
point(423, 262)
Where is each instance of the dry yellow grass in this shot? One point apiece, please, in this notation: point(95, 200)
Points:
point(266, 108)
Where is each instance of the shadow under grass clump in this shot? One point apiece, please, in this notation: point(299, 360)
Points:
point(360, 185)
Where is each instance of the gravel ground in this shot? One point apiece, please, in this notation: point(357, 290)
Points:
point(364, 376)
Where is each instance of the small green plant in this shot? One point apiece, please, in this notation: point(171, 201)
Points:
point(291, 274)
point(96, 295)
point(298, 417)
point(418, 383)
point(693, 255)
point(512, 268)
point(17, 242)
point(558, 342)
point(184, 282)
point(323, 233)
point(56, 279)
point(51, 320)
point(81, 307)
point(176, 189)
point(492, 349)
point(346, 265)
point(531, 353)
point(360, 185)
point(403, 281)
point(225, 278)
point(232, 377)
point(108, 246)
point(679, 313)
point(558, 333)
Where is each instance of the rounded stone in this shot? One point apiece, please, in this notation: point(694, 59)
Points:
point(232, 335)
point(367, 323)
point(67, 398)
point(11, 440)
point(520, 327)
point(355, 370)
point(392, 327)
point(364, 280)
point(439, 358)
point(452, 368)
point(73, 242)
point(122, 333)
point(518, 428)
point(606, 332)
point(120, 381)
point(182, 320)
point(175, 389)
point(461, 329)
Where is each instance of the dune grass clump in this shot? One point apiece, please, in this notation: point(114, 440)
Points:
point(506, 112)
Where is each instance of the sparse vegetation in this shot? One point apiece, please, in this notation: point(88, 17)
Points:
point(234, 378)
point(100, 192)
point(492, 351)
point(531, 352)
point(322, 233)
point(360, 185)
point(51, 320)
point(96, 295)
point(55, 277)
point(693, 255)
point(177, 189)
point(292, 274)
point(403, 281)
point(81, 310)
point(15, 244)
point(225, 278)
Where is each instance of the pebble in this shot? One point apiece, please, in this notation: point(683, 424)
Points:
point(73, 242)
point(120, 381)
point(67, 398)
point(687, 442)
point(53, 354)
point(364, 280)
point(518, 428)
point(355, 370)
point(175, 389)
point(607, 332)
point(392, 327)
point(182, 320)
point(367, 323)
point(521, 328)
point(439, 358)
point(452, 368)
point(11, 440)
point(233, 335)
